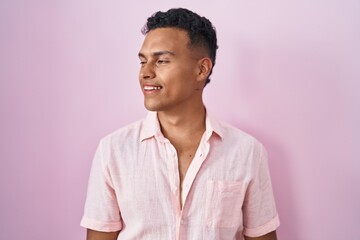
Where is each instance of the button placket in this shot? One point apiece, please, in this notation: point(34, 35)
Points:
point(174, 180)
point(194, 169)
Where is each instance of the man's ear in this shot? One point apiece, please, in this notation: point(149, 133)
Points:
point(204, 68)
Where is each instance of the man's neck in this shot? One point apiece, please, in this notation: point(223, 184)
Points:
point(183, 124)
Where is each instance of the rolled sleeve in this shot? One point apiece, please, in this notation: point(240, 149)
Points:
point(100, 225)
point(260, 215)
point(270, 226)
point(101, 211)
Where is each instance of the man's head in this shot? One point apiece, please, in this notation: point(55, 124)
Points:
point(199, 29)
point(176, 59)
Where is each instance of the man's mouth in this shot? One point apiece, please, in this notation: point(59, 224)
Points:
point(152, 88)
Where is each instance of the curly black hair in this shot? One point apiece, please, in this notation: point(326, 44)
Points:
point(200, 30)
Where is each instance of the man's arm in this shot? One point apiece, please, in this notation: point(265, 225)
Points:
point(96, 235)
point(269, 236)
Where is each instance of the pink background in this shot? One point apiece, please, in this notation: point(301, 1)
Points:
point(288, 73)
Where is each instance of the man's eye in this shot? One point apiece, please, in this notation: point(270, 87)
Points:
point(142, 62)
point(162, 61)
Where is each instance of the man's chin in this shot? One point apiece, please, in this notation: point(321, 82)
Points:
point(152, 108)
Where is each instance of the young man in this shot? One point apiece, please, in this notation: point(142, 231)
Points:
point(179, 174)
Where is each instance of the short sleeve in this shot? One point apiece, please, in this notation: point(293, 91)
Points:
point(260, 215)
point(101, 211)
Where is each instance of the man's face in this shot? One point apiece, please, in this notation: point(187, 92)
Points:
point(169, 71)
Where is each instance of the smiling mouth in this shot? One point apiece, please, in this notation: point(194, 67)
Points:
point(152, 88)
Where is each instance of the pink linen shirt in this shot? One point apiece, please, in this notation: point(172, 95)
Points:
point(134, 186)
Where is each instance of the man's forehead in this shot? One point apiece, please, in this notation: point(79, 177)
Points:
point(164, 41)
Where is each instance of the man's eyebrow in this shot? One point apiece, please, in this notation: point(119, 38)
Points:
point(159, 53)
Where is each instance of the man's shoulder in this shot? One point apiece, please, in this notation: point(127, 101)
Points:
point(237, 135)
point(127, 132)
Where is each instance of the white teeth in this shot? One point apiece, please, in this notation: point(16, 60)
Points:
point(148, 88)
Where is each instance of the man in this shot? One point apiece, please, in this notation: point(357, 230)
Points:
point(179, 174)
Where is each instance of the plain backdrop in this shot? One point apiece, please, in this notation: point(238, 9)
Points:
point(287, 72)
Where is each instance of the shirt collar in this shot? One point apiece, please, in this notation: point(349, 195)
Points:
point(212, 126)
point(151, 127)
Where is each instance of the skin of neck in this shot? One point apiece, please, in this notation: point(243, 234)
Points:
point(183, 122)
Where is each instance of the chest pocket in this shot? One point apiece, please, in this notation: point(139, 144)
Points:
point(224, 200)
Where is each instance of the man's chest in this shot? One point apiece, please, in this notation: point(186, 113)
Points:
point(150, 178)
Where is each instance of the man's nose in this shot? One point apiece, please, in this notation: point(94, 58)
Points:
point(147, 71)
